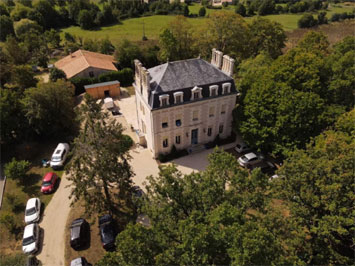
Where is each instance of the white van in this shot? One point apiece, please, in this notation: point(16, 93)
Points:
point(59, 155)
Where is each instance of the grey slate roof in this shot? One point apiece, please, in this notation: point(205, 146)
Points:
point(101, 84)
point(183, 76)
point(177, 75)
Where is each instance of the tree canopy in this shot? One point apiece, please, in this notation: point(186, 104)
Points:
point(99, 168)
point(291, 99)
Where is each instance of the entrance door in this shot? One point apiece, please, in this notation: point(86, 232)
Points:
point(194, 136)
point(107, 93)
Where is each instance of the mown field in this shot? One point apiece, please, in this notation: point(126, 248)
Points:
point(132, 29)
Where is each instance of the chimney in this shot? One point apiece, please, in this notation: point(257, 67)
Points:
point(146, 79)
point(213, 59)
point(216, 59)
point(219, 56)
point(228, 65)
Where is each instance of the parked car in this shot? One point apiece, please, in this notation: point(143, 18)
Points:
point(108, 102)
point(32, 261)
point(33, 210)
point(79, 233)
point(30, 241)
point(81, 261)
point(137, 192)
point(48, 183)
point(265, 167)
point(241, 147)
point(250, 159)
point(107, 232)
point(59, 155)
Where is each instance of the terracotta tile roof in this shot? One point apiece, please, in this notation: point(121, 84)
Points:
point(80, 60)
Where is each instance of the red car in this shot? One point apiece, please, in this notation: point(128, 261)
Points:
point(48, 182)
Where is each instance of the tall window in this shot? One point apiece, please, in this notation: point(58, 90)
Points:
point(195, 115)
point(226, 88)
point(209, 131)
point(164, 102)
point(177, 139)
point(213, 90)
point(178, 122)
point(196, 93)
point(223, 109)
point(220, 129)
point(211, 111)
point(165, 143)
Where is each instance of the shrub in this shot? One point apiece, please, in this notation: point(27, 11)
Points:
point(307, 21)
point(16, 169)
point(174, 154)
point(8, 220)
point(16, 203)
point(13, 260)
point(202, 12)
point(55, 73)
point(240, 9)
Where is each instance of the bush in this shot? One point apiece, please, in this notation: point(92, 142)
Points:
point(202, 12)
point(307, 21)
point(174, 154)
point(13, 260)
point(55, 73)
point(240, 9)
point(16, 203)
point(8, 220)
point(16, 169)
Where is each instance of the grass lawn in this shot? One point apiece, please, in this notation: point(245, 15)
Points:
point(21, 192)
point(132, 29)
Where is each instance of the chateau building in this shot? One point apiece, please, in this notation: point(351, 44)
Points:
point(185, 103)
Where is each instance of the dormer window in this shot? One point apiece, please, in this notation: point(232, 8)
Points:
point(164, 100)
point(178, 97)
point(196, 93)
point(213, 90)
point(226, 88)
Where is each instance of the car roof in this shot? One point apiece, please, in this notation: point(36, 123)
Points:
point(61, 146)
point(250, 155)
point(105, 218)
point(28, 230)
point(76, 262)
point(77, 222)
point(31, 203)
point(48, 176)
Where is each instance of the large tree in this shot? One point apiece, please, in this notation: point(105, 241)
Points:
point(99, 168)
point(176, 41)
point(49, 108)
point(226, 31)
point(317, 186)
point(267, 36)
point(287, 101)
point(6, 26)
point(215, 217)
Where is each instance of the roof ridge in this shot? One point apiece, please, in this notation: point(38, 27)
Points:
point(165, 68)
point(87, 63)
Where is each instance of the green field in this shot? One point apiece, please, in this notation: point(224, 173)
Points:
point(132, 29)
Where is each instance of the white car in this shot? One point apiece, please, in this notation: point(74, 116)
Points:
point(59, 155)
point(241, 147)
point(108, 102)
point(30, 239)
point(33, 210)
point(250, 159)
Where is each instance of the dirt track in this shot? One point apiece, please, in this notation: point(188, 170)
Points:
point(53, 226)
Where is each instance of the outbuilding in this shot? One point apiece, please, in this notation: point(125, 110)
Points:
point(104, 89)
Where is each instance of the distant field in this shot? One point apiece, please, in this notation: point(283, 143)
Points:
point(132, 29)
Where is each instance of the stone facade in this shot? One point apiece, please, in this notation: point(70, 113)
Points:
point(189, 115)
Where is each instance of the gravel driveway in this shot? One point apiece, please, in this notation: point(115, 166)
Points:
point(53, 225)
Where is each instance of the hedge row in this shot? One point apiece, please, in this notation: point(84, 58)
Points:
point(124, 76)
